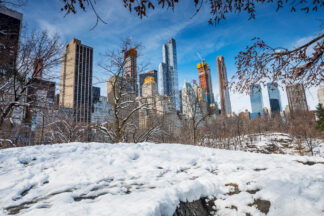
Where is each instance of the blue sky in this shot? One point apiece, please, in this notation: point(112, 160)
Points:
point(192, 35)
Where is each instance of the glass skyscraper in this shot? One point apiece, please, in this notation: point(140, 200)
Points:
point(168, 72)
point(274, 97)
point(256, 100)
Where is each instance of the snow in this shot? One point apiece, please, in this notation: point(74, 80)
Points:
point(269, 143)
point(152, 179)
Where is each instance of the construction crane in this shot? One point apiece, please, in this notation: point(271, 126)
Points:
point(202, 59)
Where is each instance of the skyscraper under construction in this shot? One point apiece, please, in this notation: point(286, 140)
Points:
point(223, 86)
point(205, 81)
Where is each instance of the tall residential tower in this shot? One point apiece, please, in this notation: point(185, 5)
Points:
point(256, 100)
point(168, 72)
point(274, 97)
point(76, 80)
point(223, 86)
point(296, 98)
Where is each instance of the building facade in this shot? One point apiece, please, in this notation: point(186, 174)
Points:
point(190, 103)
point(320, 94)
point(95, 94)
point(226, 108)
point(76, 80)
point(201, 97)
point(10, 29)
point(160, 110)
point(256, 100)
point(168, 72)
point(152, 73)
point(296, 98)
point(102, 111)
point(274, 97)
point(130, 69)
point(205, 81)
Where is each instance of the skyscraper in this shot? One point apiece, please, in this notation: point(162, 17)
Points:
point(201, 97)
point(95, 94)
point(223, 86)
point(205, 81)
point(274, 97)
point(10, 28)
point(152, 73)
point(190, 104)
point(130, 70)
point(168, 72)
point(76, 80)
point(256, 100)
point(320, 94)
point(296, 98)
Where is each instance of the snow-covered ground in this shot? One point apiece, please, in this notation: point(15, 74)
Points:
point(151, 179)
point(270, 143)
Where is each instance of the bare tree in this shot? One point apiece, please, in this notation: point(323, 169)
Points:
point(194, 118)
point(15, 79)
point(122, 93)
point(261, 63)
point(62, 128)
point(302, 126)
point(219, 9)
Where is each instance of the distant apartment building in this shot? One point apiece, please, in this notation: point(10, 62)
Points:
point(274, 97)
point(225, 101)
point(160, 110)
point(76, 80)
point(296, 98)
point(256, 100)
point(102, 111)
point(201, 97)
point(190, 103)
point(130, 69)
point(320, 94)
point(10, 29)
point(40, 95)
point(95, 94)
point(152, 73)
point(168, 73)
point(205, 81)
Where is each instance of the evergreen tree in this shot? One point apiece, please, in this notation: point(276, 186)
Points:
point(320, 117)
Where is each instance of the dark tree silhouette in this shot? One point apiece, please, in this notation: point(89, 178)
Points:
point(219, 9)
point(261, 63)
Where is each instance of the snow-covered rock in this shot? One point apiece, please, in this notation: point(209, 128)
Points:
point(269, 143)
point(152, 179)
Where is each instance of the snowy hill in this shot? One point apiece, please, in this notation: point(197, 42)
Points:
point(152, 179)
point(270, 143)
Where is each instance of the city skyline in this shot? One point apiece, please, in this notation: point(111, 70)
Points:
point(213, 41)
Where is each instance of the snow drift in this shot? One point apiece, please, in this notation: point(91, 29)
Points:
point(152, 179)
